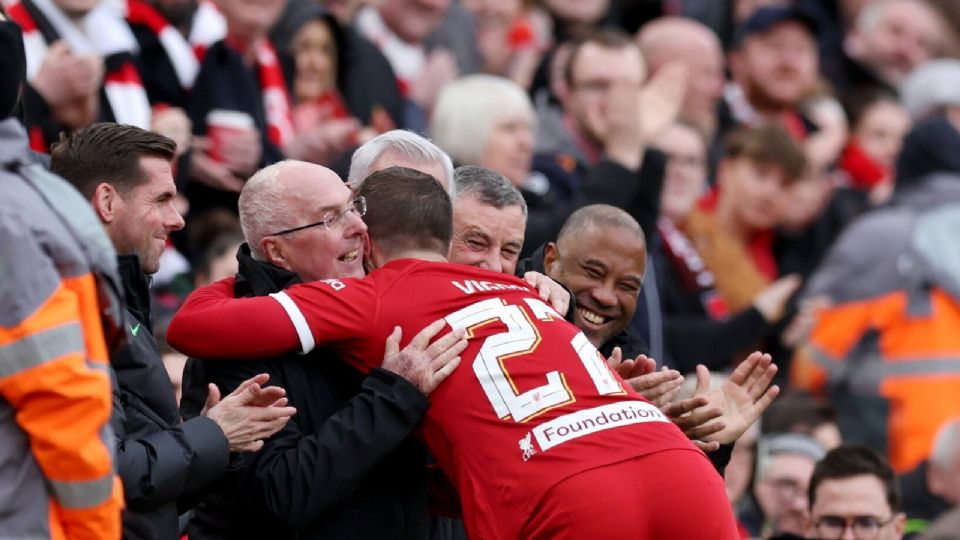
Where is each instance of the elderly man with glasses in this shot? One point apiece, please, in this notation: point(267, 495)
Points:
point(342, 467)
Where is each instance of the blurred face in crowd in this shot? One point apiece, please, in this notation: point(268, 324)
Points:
point(143, 217)
point(603, 266)
point(704, 81)
point(781, 491)
point(943, 474)
point(777, 68)
point(895, 37)
point(750, 193)
point(315, 52)
point(248, 20)
point(583, 11)
point(686, 175)
point(804, 200)
point(413, 20)
point(177, 12)
point(596, 71)
point(493, 14)
point(486, 236)
point(315, 252)
point(674, 39)
point(881, 130)
point(76, 9)
point(854, 507)
point(509, 146)
point(392, 159)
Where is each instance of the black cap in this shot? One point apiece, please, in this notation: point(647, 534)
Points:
point(765, 18)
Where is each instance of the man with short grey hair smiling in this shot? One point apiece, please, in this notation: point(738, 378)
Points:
point(489, 216)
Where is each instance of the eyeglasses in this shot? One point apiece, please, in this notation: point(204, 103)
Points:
point(333, 218)
point(863, 527)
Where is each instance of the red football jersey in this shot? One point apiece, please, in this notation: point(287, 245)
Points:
point(531, 404)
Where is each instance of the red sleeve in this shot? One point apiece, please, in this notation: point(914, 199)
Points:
point(342, 314)
point(213, 324)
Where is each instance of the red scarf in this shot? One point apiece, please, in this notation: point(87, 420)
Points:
point(863, 170)
point(276, 99)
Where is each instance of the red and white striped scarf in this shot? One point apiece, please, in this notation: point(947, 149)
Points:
point(276, 98)
point(406, 59)
point(101, 32)
point(208, 27)
point(181, 54)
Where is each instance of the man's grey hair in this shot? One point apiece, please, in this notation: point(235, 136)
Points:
point(261, 206)
point(599, 215)
point(406, 144)
point(488, 186)
point(946, 445)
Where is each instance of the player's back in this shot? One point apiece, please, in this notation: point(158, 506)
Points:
point(532, 402)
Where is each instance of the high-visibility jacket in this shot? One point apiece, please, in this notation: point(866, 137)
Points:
point(56, 468)
point(888, 349)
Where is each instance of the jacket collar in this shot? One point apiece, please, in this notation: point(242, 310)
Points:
point(136, 285)
point(257, 278)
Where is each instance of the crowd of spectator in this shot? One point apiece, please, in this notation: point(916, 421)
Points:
point(793, 167)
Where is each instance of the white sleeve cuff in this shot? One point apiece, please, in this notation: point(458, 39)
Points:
point(307, 343)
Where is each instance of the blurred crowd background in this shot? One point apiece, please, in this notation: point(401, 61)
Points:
point(795, 167)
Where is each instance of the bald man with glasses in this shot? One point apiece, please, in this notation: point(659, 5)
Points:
point(342, 467)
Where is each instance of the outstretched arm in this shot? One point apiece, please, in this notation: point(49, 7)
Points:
point(213, 324)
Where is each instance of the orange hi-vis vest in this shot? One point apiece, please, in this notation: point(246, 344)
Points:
point(913, 364)
point(57, 477)
point(887, 352)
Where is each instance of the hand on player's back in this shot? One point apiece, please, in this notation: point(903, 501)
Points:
point(550, 291)
point(423, 364)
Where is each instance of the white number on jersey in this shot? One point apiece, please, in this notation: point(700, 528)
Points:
point(520, 338)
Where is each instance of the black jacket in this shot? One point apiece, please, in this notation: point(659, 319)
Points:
point(161, 460)
point(574, 184)
point(343, 467)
